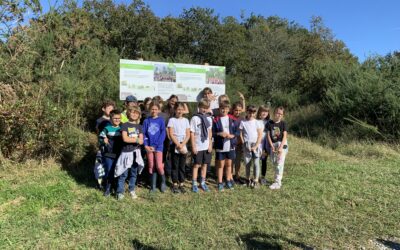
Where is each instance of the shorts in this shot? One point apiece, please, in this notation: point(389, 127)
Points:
point(229, 155)
point(202, 157)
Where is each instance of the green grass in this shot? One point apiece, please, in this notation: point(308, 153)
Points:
point(330, 199)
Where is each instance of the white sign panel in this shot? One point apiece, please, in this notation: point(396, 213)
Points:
point(147, 79)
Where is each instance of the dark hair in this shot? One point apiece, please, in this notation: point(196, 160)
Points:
point(146, 100)
point(251, 108)
point(157, 98)
point(279, 108)
point(207, 89)
point(237, 104)
point(173, 96)
point(107, 103)
point(115, 112)
point(154, 103)
point(224, 104)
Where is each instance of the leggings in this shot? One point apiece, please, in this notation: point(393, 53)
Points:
point(155, 158)
point(178, 163)
point(264, 166)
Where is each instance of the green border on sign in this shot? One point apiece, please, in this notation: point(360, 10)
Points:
point(136, 66)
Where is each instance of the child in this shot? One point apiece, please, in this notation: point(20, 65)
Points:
point(211, 98)
point(104, 120)
point(263, 117)
point(130, 101)
point(179, 132)
point(237, 109)
point(111, 148)
point(154, 136)
point(200, 136)
point(251, 133)
point(224, 133)
point(131, 158)
point(169, 109)
point(277, 139)
point(101, 123)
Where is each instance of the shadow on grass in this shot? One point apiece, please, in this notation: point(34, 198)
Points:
point(389, 244)
point(256, 240)
point(137, 245)
point(82, 170)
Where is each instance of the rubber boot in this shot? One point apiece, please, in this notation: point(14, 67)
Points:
point(153, 182)
point(163, 185)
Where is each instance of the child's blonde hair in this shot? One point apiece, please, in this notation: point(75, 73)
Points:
point(223, 97)
point(203, 103)
point(261, 109)
point(132, 109)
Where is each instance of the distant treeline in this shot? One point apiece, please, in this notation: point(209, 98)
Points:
point(56, 68)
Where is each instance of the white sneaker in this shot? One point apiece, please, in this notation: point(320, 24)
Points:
point(133, 195)
point(275, 185)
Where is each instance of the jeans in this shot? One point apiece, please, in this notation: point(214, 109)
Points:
point(109, 167)
point(133, 170)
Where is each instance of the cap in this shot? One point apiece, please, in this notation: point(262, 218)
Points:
point(130, 98)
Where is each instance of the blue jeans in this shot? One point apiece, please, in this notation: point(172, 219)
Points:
point(132, 179)
point(109, 167)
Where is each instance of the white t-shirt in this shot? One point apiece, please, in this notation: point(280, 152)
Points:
point(195, 127)
point(250, 129)
point(179, 126)
point(264, 133)
point(227, 142)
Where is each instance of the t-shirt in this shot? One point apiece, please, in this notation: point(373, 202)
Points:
point(276, 130)
point(101, 123)
point(154, 132)
point(195, 127)
point(250, 129)
point(265, 130)
point(133, 131)
point(227, 142)
point(179, 126)
point(113, 134)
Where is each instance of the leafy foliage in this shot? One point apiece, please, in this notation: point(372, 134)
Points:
point(61, 65)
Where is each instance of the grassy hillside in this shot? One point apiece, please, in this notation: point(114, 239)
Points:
point(347, 198)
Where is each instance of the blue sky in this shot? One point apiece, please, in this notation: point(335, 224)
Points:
point(366, 27)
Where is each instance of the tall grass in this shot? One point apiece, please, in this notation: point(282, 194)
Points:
point(330, 199)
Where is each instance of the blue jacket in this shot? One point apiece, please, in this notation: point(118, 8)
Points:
point(218, 128)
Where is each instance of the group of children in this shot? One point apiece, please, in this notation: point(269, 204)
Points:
point(154, 135)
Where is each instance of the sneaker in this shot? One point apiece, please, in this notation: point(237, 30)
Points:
point(120, 197)
point(204, 186)
point(239, 181)
point(256, 185)
point(220, 187)
point(264, 181)
point(252, 183)
point(230, 184)
point(133, 195)
point(182, 189)
point(195, 189)
point(248, 183)
point(107, 193)
point(275, 185)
